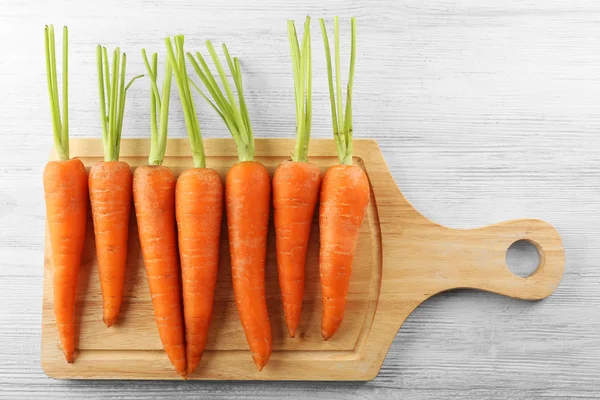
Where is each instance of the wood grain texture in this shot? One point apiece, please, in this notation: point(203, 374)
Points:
point(485, 111)
point(402, 259)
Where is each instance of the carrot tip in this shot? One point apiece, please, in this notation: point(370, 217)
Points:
point(191, 369)
point(260, 362)
point(109, 322)
point(326, 335)
point(70, 358)
point(291, 330)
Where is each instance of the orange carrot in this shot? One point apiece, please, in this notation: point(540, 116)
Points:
point(199, 211)
point(154, 199)
point(110, 188)
point(247, 196)
point(65, 187)
point(296, 189)
point(199, 202)
point(110, 196)
point(295, 195)
point(344, 198)
point(65, 190)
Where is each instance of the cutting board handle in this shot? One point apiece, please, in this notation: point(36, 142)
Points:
point(481, 263)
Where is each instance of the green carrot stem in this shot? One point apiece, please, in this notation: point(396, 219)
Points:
point(336, 132)
point(55, 81)
point(121, 107)
point(153, 78)
point(177, 60)
point(221, 72)
point(237, 115)
point(60, 127)
point(348, 127)
point(158, 105)
point(214, 107)
point(237, 77)
point(164, 111)
point(211, 83)
point(235, 68)
point(112, 99)
point(234, 113)
point(99, 59)
point(153, 108)
point(302, 70)
point(112, 111)
point(342, 121)
point(308, 111)
point(65, 81)
point(295, 51)
point(107, 75)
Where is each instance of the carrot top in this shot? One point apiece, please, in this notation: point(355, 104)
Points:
point(177, 60)
point(60, 126)
point(301, 64)
point(342, 120)
point(234, 113)
point(159, 109)
point(112, 112)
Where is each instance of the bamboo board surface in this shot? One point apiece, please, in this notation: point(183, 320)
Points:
point(402, 260)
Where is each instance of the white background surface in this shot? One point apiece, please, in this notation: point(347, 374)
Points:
point(485, 110)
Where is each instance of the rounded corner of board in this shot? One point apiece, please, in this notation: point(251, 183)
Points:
point(47, 370)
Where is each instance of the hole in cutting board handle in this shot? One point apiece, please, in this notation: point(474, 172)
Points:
point(523, 258)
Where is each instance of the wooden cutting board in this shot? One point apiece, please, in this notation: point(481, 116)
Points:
point(402, 259)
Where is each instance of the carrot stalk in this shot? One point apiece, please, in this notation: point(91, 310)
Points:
point(187, 102)
point(199, 211)
point(65, 192)
point(296, 188)
point(235, 117)
point(344, 196)
point(154, 199)
point(247, 196)
point(110, 186)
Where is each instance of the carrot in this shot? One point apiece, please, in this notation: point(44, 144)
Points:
point(110, 188)
point(199, 211)
point(247, 196)
point(65, 192)
point(296, 189)
point(344, 198)
point(154, 199)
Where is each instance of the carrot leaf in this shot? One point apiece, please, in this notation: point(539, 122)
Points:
point(341, 119)
point(60, 126)
point(234, 113)
point(65, 82)
point(112, 91)
point(159, 108)
point(177, 60)
point(301, 66)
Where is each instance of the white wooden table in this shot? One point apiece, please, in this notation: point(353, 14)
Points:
point(485, 110)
